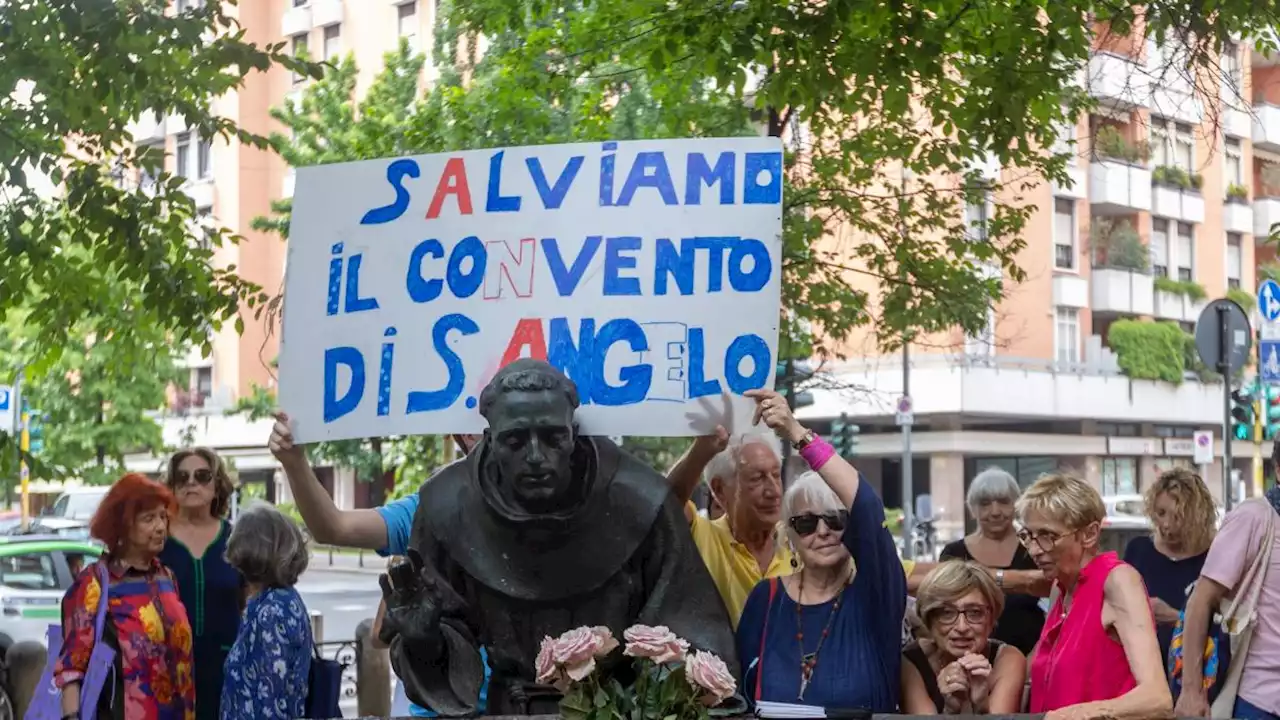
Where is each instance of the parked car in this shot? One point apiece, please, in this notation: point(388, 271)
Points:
point(35, 572)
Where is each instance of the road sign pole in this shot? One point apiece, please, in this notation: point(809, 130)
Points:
point(1224, 367)
point(908, 491)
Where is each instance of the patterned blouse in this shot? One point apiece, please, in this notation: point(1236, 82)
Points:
point(269, 667)
point(147, 625)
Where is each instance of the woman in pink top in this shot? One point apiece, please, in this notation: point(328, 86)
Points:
point(1098, 655)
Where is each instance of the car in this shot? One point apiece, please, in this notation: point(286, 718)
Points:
point(35, 572)
point(78, 503)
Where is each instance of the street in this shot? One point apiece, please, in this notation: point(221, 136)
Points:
point(343, 595)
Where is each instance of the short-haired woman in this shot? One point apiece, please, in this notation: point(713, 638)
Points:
point(211, 589)
point(1098, 655)
point(146, 623)
point(991, 500)
point(268, 667)
point(957, 668)
point(1184, 521)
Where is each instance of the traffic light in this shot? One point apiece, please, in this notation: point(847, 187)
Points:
point(1270, 412)
point(789, 375)
point(35, 430)
point(844, 436)
point(1242, 416)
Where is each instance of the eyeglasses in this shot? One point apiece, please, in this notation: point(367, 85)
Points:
point(950, 615)
point(1046, 540)
point(807, 523)
point(204, 476)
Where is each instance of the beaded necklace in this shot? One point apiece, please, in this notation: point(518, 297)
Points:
point(809, 661)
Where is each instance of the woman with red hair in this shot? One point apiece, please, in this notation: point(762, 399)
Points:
point(146, 623)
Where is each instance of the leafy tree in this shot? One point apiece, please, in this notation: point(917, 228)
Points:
point(77, 228)
point(890, 107)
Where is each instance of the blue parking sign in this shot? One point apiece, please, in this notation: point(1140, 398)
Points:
point(1269, 362)
point(6, 405)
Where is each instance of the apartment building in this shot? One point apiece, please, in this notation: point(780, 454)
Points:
point(1171, 194)
point(232, 184)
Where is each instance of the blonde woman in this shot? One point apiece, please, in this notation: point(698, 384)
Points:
point(1098, 655)
point(1184, 521)
point(956, 668)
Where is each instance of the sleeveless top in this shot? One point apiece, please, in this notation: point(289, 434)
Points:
point(1059, 677)
point(913, 654)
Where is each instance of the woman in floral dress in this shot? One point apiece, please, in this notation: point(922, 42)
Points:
point(267, 671)
point(146, 623)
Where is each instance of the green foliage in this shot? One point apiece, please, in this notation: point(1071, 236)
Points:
point(1173, 176)
point(82, 71)
point(96, 397)
point(1237, 193)
point(1189, 289)
point(1149, 350)
point(1117, 246)
point(1243, 298)
point(1110, 143)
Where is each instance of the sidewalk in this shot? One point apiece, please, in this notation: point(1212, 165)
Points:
point(347, 560)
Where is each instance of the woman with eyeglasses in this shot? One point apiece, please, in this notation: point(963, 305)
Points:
point(957, 668)
point(1098, 655)
point(830, 634)
point(211, 590)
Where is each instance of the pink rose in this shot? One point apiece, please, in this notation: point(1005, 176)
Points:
point(545, 666)
point(658, 644)
point(605, 641)
point(708, 673)
point(575, 651)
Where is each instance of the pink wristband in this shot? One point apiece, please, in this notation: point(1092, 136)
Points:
point(817, 453)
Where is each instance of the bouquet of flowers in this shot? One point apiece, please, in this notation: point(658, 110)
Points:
point(671, 682)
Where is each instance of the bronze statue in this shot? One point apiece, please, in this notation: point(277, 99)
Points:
point(540, 530)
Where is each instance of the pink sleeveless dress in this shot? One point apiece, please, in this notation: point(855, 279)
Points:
point(1076, 660)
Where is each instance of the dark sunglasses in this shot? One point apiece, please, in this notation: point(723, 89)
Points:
point(204, 476)
point(807, 523)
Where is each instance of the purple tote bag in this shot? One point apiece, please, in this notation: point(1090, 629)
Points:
point(46, 701)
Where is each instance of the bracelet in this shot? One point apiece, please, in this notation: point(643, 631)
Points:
point(817, 453)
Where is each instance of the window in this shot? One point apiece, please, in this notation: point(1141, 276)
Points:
point(29, 572)
point(1186, 243)
point(204, 158)
point(185, 5)
point(984, 343)
point(1119, 476)
point(204, 228)
point(1159, 247)
point(299, 50)
point(1235, 162)
point(1172, 144)
point(202, 383)
point(148, 154)
point(182, 155)
point(976, 217)
point(1064, 234)
point(300, 3)
point(1067, 337)
point(1234, 263)
point(332, 42)
point(1066, 142)
point(1231, 65)
point(407, 22)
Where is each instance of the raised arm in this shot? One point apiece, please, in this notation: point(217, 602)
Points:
point(684, 476)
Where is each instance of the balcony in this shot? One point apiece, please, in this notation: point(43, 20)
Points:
point(200, 192)
point(1237, 217)
point(1266, 213)
point(1122, 292)
point(1117, 188)
point(1070, 290)
point(1177, 204)
point(1118, 81)
point(1266, 127)
point(147, 128)
point(326, 12)
point(1176, 307)
point(296, 21)
point(1075, 185)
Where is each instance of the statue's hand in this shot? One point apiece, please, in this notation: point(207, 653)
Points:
point(414, 602)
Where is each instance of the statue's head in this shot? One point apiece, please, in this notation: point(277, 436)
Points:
point(531, 433)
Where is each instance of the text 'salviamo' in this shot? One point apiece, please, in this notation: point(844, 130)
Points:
point(648, 271)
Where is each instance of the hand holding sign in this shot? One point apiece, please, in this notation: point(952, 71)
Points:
point(773, 409)
point(281, 441)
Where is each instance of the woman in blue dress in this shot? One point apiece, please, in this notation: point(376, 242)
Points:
point(268, 668)
point(211, 590)
point(830, 634)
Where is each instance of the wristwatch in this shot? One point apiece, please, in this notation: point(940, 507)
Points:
point(804, 441)
point(1000, 579)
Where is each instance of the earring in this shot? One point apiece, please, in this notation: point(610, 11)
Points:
point(795, 564)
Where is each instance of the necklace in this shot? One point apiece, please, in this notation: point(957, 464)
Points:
point(809, 661)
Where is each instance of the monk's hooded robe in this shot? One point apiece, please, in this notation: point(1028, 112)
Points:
point(620, 554)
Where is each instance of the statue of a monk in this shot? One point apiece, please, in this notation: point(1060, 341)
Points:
point(540, 530)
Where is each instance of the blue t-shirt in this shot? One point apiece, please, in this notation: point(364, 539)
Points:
point(1168, 579)
point(398, 516)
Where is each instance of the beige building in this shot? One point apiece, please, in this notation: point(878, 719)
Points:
point(1171, 196)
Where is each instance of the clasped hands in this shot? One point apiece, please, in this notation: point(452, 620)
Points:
point(965, 684)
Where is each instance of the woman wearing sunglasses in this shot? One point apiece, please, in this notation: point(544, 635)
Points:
point(210, 588)
point(830, 634)
point(956, 667)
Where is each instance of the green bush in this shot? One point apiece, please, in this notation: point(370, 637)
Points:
point(1149, 350)
point(1172, 176)
point(1242, 298)
point(1237, 193)
point(1190, 289)
point(1110, 143)
point(1117, 245)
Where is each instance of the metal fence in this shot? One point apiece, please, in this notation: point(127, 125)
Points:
point(344, 653)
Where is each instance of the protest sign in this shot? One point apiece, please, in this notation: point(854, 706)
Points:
point(648, 271)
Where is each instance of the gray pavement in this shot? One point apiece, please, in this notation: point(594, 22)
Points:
point(345, 596)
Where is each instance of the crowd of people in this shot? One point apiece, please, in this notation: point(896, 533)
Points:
point(1026, 614)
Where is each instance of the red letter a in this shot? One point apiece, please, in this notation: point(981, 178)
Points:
point(528, 333)
point(453, 181)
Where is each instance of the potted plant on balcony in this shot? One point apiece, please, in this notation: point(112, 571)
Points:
point(1237, 194)
point(1116, 245)
point(1110, 144)
point(1175, 177)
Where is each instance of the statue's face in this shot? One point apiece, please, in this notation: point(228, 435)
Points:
point(532, 440)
